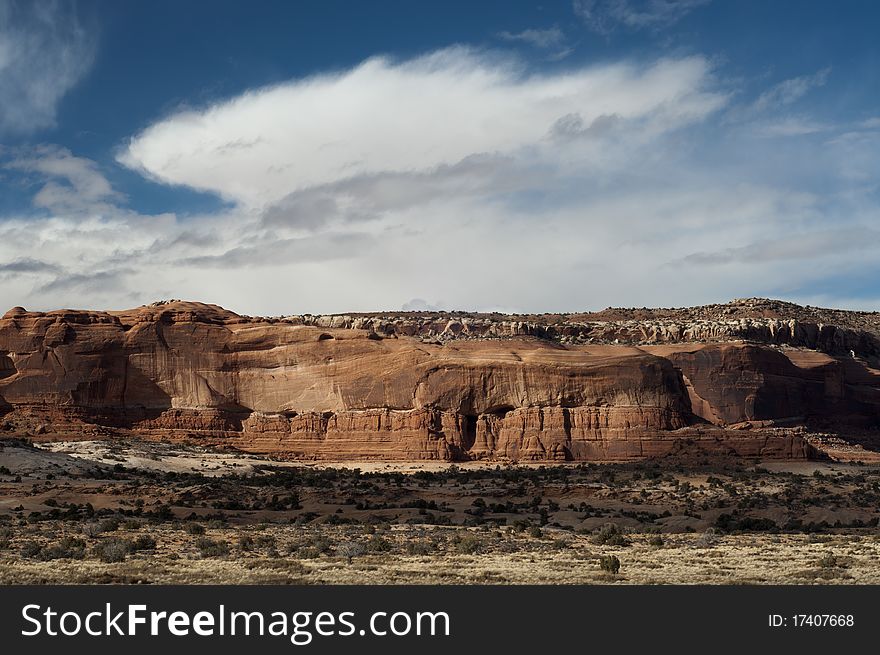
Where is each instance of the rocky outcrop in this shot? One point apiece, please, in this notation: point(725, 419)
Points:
point(754, 320)
point(343, 390)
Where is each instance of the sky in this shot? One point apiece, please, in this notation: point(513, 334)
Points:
point(323, 156)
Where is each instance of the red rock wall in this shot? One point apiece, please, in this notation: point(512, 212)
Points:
point(189, 371)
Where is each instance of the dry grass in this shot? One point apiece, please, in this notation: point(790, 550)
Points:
point(505, 558)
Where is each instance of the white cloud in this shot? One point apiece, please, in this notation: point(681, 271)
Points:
point(403, 117)
point(44, 51)
point(70, 183)
point(551, 37)
point(790, 126)
point(606, 16)
point(790, 91)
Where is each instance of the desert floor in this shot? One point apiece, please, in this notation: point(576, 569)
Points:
point(132, 512)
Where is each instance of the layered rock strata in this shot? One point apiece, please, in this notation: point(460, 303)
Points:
point(350, 388)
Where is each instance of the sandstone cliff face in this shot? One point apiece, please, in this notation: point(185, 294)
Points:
point(337, 392)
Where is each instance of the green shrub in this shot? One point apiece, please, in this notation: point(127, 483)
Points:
point(265, 541)
point(143, 542)
point(656, 541)
point(377, 544)
point(418, 548)
point(212, 547)
point(195, 528)
point(321, 544)
point(610, 564)
point(30, 549)
point(308, 552)
point(109, 525)
point(469, 545)
point(829, 561)
point(67, 548)
point(610, 535)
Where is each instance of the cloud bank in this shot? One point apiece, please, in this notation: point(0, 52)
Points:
point(461, 179)
point(411, 116)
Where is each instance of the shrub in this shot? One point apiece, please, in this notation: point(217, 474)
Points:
point(30, 549)
point(350, 550)
point(90, 529)
point(535, 532)
point(109, 525)
point(418, 548)
point(195, 528)
point(708, 538)
point(67, 548)
point(656, 541)
point(265, 541)
point(321, 544)
point(212, 547)
point(94, 528)
point(610, 535)
point(308, 552)
point(143, 542)
point(610, 564)
point(730, 523)
point(112, 549)
point(469, 545)
point(5, 538)
point(829, 561)
point(377, 544)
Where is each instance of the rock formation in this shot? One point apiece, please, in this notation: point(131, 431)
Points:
point(735, 379)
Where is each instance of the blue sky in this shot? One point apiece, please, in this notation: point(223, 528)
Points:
point(287, 157)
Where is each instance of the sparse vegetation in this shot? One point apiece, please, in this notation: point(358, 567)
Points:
point(112, 549)
point(516, 524)
point(350, 549)
point(610, 535)
point(212, 547)
point(609, 564)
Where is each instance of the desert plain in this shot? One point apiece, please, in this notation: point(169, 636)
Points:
point(144, 512)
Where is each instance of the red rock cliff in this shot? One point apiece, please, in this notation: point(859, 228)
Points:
point(187, 370)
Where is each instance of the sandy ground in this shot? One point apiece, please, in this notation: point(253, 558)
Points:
point(153, 456)
point(156, 456)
